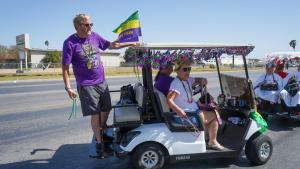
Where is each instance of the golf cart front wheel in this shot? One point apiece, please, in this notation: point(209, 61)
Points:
point(148, 156)
point(259, 149)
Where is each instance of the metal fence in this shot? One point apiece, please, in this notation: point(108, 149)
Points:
point(29, 65)
point(56, 67)
point(41, 67)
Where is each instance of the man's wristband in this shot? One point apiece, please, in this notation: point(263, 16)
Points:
point(67, 88)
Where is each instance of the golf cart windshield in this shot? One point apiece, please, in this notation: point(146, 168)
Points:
point(238, 88)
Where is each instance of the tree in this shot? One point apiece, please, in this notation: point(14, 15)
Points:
point(293, 44)
point(13, 52)
point(3, 53)
point(53, 57)
point(3, 50)
point(8, 53)
point(47, 43)
point(129, 54)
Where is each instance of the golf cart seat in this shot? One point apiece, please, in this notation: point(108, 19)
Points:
point(130, 114)
point(169, 114)
point(163, 106)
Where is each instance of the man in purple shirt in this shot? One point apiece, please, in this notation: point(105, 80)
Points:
point(82, 50)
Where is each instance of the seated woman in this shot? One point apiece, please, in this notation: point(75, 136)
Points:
point(291, 94)
point(180, 100)
point(268, 85)
point(164, 79)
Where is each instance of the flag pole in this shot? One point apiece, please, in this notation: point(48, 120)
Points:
point(141, 27)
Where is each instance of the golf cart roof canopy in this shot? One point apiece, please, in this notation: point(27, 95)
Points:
point(182, 46)
point(160, 55)
point(284, 55)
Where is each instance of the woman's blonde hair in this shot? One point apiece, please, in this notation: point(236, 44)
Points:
point(179, 64)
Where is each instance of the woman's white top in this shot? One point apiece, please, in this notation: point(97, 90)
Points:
point(288, 100)
point(272, 96)
point(184, 99)
point(296, 74)
point(269, 79)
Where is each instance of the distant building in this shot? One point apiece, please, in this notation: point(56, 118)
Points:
point(228, 60)
point(255, 62)
point(108, 58)
point(225, 60)
point(113, 59)
point(211, 61)
point(36, 55)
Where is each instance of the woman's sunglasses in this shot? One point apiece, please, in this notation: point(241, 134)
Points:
point(186, 69)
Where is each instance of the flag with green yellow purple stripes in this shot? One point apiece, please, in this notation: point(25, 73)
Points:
point(129, 30)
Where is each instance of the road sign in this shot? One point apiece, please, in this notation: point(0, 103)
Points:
point(22, 41)
point(21, 54)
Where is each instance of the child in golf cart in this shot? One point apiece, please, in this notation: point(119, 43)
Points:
point(163, 79)
point(180, 100)
point(291, 92)
point(268, 85)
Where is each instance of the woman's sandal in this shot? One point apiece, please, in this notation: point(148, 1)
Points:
point(215, 147)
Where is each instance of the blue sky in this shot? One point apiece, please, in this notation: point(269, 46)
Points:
point(267, 24)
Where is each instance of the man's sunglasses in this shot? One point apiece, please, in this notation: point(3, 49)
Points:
point(186, 69)
point(88, 24)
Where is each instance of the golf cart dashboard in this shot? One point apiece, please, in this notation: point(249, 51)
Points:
point(234, 103)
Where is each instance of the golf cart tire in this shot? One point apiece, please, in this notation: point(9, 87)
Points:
point(150, 150)
point(259, 149)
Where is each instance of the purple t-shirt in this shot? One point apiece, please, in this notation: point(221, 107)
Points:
point(163, 83)
point(84, 54)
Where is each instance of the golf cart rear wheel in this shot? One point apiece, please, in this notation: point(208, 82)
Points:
point(259, 149)
point(148, 155)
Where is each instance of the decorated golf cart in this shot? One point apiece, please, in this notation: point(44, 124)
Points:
point(144, 128)
point(288, 105)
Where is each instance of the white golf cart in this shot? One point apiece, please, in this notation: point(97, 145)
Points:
point(146, 132)
point(280, 110)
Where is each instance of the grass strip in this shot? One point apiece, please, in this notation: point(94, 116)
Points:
point(109, 71)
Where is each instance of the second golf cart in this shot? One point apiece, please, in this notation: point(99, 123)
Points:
point(282, 109)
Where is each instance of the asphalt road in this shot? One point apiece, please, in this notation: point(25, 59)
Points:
point(35, 132)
